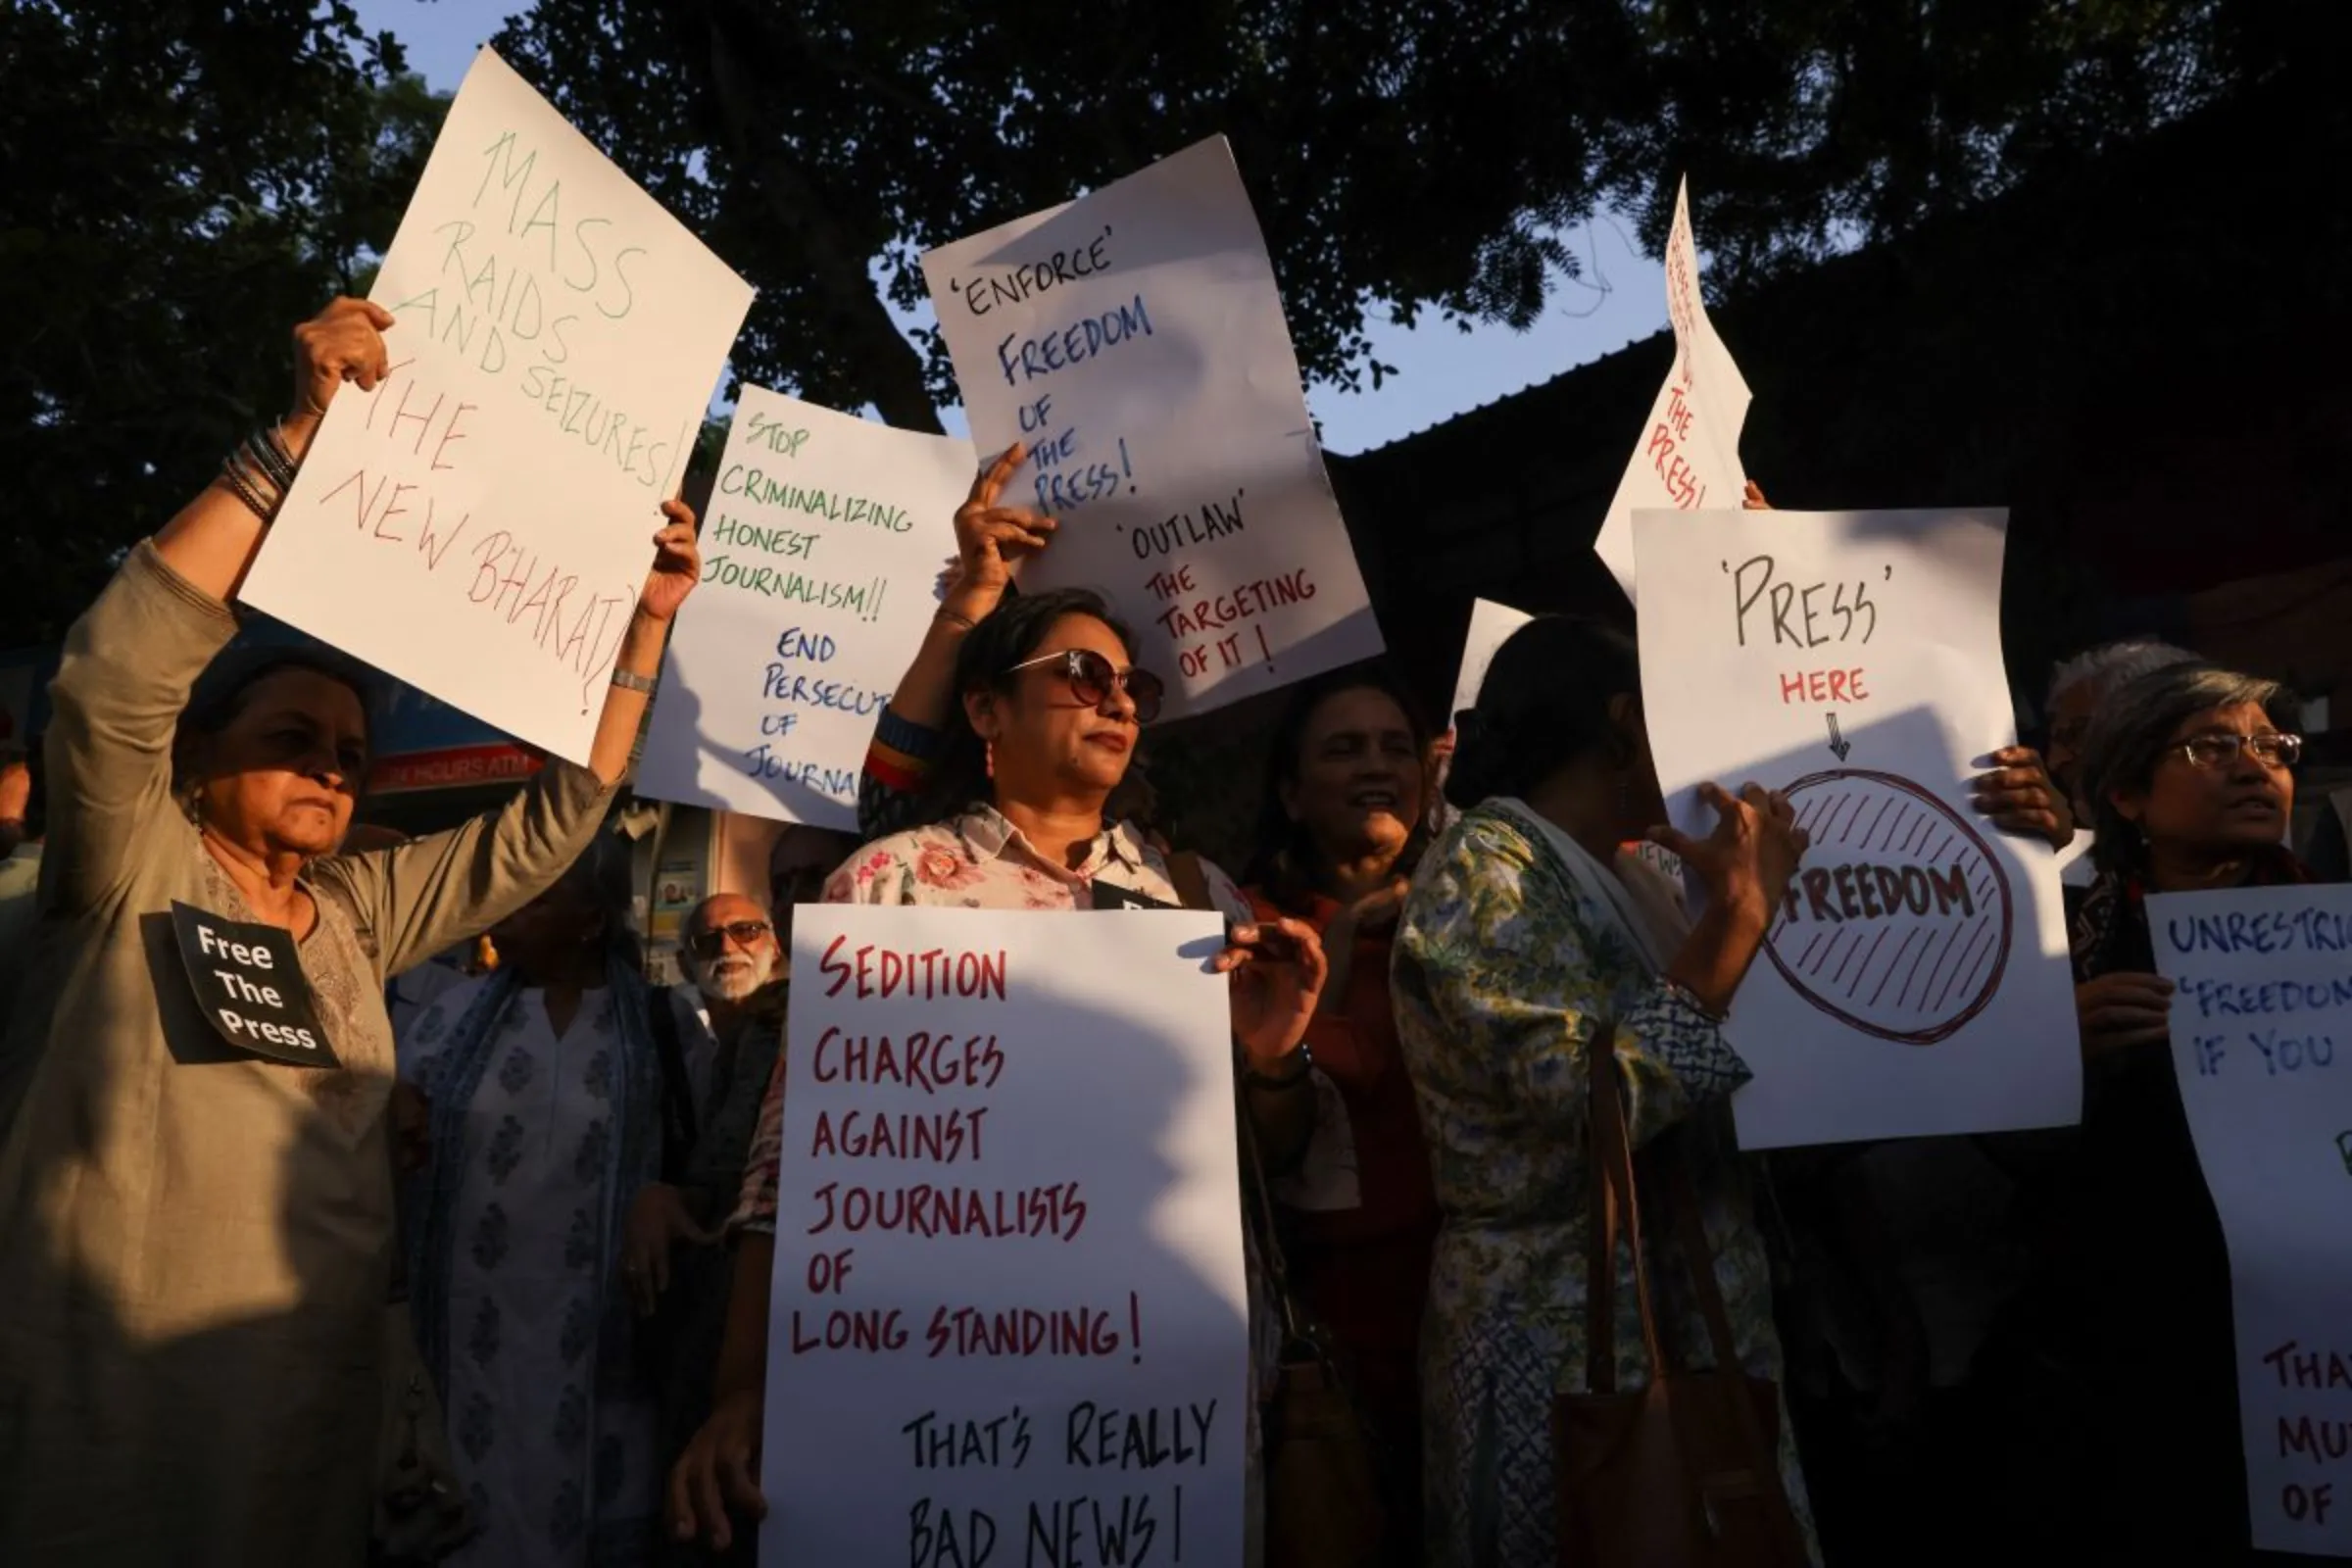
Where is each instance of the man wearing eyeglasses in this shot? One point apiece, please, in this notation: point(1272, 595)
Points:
point(676, 1273)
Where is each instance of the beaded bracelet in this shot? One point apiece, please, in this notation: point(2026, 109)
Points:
point(267, 451)
point(244, 489)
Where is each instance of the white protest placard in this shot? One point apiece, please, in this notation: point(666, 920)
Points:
point(1688, 453)
point(1134, 340)
point(1009, 1308)
point(2262, 1047)
point(482, 523)
point(1917, 973)
point(819, 558)
point(1491, 626)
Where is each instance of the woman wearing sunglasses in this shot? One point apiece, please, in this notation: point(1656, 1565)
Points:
point(2188, 772)
point(1022, 745)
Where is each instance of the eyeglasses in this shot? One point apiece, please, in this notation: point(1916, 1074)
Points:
point(1092, 678)
point(713, 942)
point(2220, 748)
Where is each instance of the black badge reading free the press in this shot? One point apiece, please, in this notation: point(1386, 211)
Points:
point(249, 982)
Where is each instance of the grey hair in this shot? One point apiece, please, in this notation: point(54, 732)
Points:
point(2112, 665)
point(2134, 729)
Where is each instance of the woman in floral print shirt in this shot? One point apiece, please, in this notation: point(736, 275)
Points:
point(1526, 927)
point(1042, 712)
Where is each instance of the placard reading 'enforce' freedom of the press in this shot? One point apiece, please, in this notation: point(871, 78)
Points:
point(1135, 341)
point(2262, 1048)
point(1009, 1293)
point(820, 560)
point(481, 524)
point(1916, 975)
point(1688, 455)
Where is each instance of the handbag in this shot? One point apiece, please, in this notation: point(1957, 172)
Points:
point(421, 1515)
point(1682, 1473)
point(1323, 1506)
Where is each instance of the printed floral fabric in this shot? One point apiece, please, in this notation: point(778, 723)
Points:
point(1503, 970)
point(553, 1426)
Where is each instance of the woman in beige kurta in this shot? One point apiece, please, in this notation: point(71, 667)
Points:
point(195, 1242)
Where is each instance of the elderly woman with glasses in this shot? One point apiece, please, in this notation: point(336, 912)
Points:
point(1043, 709)
point(2186, 771)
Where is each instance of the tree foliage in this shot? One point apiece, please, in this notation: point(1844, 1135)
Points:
point(1405, 157)
point(186, 181)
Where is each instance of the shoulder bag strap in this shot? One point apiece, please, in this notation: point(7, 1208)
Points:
point(1690, 1235)
point(1616, 1194)
point(1190, 877)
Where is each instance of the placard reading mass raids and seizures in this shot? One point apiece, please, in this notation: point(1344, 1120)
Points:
point(820, 555)
point(2262, 1048)
point(1134, 340)
point(481, 524)
point(1008, 1298)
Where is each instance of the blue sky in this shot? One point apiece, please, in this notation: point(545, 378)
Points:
point(1621, 300)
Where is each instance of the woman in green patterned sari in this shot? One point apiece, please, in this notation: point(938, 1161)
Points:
point(1529, 924)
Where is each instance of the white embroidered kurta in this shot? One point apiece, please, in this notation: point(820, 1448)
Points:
point(543, 1446)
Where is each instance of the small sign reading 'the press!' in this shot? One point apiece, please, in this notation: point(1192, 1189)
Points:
point(249, 982)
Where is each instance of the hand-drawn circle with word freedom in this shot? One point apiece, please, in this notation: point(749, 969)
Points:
point(1898, 922)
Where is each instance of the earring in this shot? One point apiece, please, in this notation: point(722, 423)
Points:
point(990, 757)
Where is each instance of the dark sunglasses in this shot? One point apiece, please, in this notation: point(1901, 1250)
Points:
point(1092, 678)
point(713, 942)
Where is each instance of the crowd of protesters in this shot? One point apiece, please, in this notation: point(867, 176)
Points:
point(550, 1188)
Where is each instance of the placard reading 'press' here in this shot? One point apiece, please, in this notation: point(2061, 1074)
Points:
point(248, 980)
point(1916, 971)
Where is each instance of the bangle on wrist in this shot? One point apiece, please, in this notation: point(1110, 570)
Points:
point(629, 681)
point(955, 619)
point(1292, 1079)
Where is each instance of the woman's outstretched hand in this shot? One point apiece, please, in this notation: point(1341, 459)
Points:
point(678, 565)
point(1746, 862)
point(2020, 799)
point(345, 342)
point(1276, 969)
point(991, 539)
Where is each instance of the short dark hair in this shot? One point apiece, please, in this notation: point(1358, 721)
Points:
point(1543, 703)
point(228, 684)
point(1006, 638)
point(1284, 862)
point(2133, 730)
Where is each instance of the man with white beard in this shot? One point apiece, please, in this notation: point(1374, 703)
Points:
point(676, 1272)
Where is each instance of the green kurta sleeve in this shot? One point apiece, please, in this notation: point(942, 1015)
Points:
point(129, 662)
point(412, 902)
